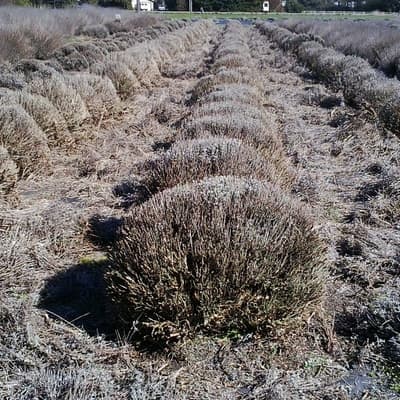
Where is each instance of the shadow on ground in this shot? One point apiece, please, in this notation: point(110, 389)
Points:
point(78, 296)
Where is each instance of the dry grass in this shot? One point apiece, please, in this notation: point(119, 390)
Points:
point(384, 198)
point(218, 255)
point(25, 141)
point(8, 172)
point(67, 383)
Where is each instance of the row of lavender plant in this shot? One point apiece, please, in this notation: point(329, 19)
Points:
point(218, 243)
point(52, 107)
point(362, 85)
point(375, 41)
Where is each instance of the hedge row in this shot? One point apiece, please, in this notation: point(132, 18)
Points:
point(220, 245)
point(362, 85)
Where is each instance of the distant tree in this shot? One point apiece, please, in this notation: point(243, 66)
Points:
point(115, 3)
point(383, 5)
point(26, 3)
point(314, 4)
point(394, 5)
point(389, 5)
point(293, 6)
point(228, 5)
point(181, 5)
point(171, 4)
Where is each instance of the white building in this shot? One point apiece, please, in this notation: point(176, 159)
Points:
point(145, 5)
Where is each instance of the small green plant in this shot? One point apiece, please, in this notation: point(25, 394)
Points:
point(315, 365)
point(392, 372)
point(91, 260)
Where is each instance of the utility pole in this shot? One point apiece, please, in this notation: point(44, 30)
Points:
point(138, 6)
point(190, 7)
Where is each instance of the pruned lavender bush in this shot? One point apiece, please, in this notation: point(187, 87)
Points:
point(46, 116)
point(98, 93)
point(124, 81)
point(240, 76)
point(78, 56)
point(24, 140)
point(251, 131)
point(192, 160)
point(232, 61)
point(245, 94)
point(11, 79)
point(218, 255)
point(228, 107)
point(63, 96)
point(97, 31)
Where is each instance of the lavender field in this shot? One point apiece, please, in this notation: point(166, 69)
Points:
point(198, 209)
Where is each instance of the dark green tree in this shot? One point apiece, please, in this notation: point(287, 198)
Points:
point(315, 4)
point(228, 5)
point(171, 5)
point(115, 3)
point(181, 5)
point(383, 5)
point(293, 6)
